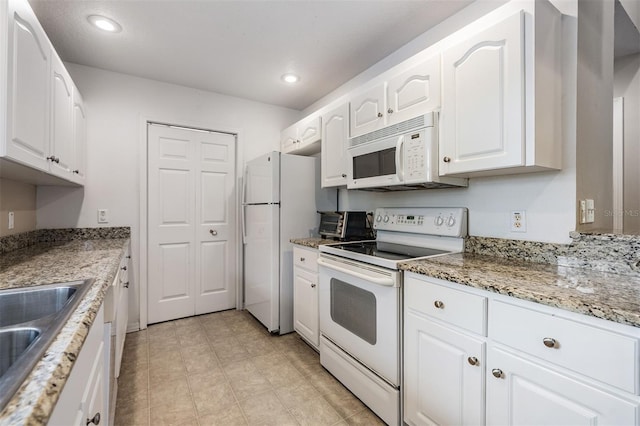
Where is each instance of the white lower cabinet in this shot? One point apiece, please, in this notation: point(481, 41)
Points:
point(82, 399)
point(523, 392)
point(306, 321)
point(443, 365)
point(537, 365)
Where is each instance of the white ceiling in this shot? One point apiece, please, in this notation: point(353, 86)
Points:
point(241, 48)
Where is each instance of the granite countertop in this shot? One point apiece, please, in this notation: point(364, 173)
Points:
point(605, 295)
point(313, 242)
point(45, 263)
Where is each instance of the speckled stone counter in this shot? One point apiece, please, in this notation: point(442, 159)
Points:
point(44, 263)
point(312, 242)
point(605, 295)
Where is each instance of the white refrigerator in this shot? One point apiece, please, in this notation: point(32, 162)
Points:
point(280, 199)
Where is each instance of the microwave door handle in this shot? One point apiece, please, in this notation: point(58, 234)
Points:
point(399, 158)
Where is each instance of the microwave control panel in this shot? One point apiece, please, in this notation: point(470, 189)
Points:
point(414, 156)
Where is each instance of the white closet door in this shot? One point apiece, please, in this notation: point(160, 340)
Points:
point(191, 222)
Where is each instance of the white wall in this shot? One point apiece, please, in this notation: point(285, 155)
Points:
point(548, 198)
point(116, 105)
point(626, 84)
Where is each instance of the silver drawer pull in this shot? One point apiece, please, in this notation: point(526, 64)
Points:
point(473, 360)
point(549, 342)
point(497, 373)
point(438, 304)
point(313, 286)
point(302, 259)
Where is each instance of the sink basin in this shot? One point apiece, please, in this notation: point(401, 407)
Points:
point(13, 343)
point(18, 306)
point(30, 319)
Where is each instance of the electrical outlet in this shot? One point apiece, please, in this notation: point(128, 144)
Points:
point(103, 216)
point(11, 220)
point(518, 221)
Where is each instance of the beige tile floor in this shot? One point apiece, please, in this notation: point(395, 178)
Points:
point(226, 369)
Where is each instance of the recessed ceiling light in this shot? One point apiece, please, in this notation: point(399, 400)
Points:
point(290, 78)
point(105, 24)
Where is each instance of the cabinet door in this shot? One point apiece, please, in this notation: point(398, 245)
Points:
point(29, 57)
point(288, 139)
point(61, 146)
point(526, 393)
point(335, 140)
point(483, 100)
point(305, 305)
point(414, 92)
point(309, 131)
point(367, 111)
point(122, 320)
point(79, 138)
point(443, 374)
point(93, 400)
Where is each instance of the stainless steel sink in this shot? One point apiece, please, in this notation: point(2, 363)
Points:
point(13, 343)
point(18, 306)
point(30, 319)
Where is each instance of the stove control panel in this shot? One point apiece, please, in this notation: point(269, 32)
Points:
point(445, 221)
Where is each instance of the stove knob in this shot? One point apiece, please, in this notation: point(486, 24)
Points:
point(379, 218)
point(438, 221)
point(386, 218)
point(451, 221)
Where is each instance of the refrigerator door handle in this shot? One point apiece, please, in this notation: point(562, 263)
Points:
point(242, 212)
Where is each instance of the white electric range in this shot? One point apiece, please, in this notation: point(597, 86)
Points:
point(361, 299)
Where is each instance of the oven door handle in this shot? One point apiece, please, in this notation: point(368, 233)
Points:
point(386, 281)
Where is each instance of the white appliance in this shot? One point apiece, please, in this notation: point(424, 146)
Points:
point(398, 157)
point(361, 300)
point(281, 195)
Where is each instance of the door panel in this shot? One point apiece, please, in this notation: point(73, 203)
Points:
point(192, 250)
point(215, 216)
point(414, 92)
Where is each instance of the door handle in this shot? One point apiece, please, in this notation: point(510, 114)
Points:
point(400, 158)
point(383, 281)
point(213, 232)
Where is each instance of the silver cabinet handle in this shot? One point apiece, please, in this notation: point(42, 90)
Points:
point(472, 360)
point(124, 268)
point(549, 342)
point(302, 259)
point(126, 285)
point(95, 420)
point(213, 232)
point(438, 304)
point(76, 171)
point(390, 111)
point(446, 159)
point(497, 373)
point(313, 286)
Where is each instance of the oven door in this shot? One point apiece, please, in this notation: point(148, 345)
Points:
point(360, 313)
point(377, 163)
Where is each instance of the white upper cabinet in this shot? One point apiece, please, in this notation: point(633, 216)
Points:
point(39, 105)
point(29, 65)
point(413, 92)
point(61, 148)
point(408, 94)
point(79, 138)
point(302, 138)
point(335, 128)
point(501, 98)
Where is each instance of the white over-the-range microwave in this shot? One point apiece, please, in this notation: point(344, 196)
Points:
point(398, 157)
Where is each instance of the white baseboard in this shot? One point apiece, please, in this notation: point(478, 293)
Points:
point(133, 326)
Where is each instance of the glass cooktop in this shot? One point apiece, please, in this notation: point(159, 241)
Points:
point(389, 251)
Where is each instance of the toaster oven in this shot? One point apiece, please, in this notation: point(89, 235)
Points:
point(344, 225)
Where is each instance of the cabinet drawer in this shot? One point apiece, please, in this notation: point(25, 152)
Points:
point(603, 355)
point(305, 258)
point(456, 307)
